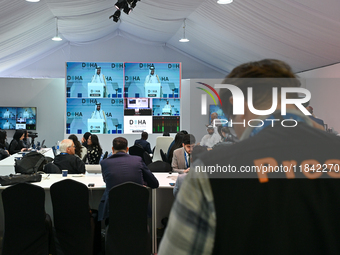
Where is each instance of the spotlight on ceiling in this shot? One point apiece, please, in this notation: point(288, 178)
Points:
point(57, 37)
point(127, 9)
point(115, 16)
point(224, 1)
point(184, 39)
point(33, 1)
point(133, 3)
point(120, 4)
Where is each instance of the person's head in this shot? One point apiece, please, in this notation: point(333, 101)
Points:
point(213, 116)
point(119, 144)
point(152, 70)
point(224, 131)
point(98, 107)
point(26, 134)
point(85, 137)
point(93, 140)
point(19, 135)
point(67, 146)
point(270, 71)
point(184, 132)
point(210, 130)
point(77, 144)
point(98, 69)
point(144, 136)
point(166, 134)
point(189, 141)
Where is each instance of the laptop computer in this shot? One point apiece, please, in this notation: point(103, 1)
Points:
point(93, 169)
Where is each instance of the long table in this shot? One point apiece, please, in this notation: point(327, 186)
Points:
point(7, 164)
point(162, 197)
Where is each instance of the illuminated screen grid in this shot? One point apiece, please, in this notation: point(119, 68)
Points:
point(18, 118)
point(122, 98)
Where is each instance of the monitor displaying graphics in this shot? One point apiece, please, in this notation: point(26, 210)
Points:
point(163, 124)
point(97, 116)
point(152, 80)
point(165, 107)
point(137, 124)
point(94, 80)
point(137, 106)
point(18, 118)
point(217, 109)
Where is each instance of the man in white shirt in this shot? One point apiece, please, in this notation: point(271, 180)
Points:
point(7, 114)
point(211, 138)
point(98, 77)
point(99, 114)
point(152, 77)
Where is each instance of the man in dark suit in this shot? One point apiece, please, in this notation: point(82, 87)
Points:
point(120, 168)
point(143, 143)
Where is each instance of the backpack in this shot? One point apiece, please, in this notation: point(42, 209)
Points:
point(30, 163)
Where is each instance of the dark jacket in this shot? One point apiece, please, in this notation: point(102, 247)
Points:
point(145, 144)
point(15, 147)
point(296, 211)
point(120, 168)
point(72, 163)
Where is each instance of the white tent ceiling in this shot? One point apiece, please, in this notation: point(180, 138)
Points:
point(305, 33)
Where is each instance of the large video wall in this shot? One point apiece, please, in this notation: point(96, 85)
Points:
point(122, 98)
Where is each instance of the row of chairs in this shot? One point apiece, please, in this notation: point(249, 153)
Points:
point(28, 229)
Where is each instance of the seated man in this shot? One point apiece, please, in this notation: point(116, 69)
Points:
point(122, 167)
point(143, 143)
point(210, 139)
point(67, 160)
point(181, 157)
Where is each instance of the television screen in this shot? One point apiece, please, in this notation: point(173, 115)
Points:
point(138, 106)
point(18, 118)
point(125, 93)
point(97, 116)
point(165, 107)
point(152, 80)
point(94, 80)
point(163, 124)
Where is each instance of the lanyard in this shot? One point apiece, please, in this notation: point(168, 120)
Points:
point(186, 161)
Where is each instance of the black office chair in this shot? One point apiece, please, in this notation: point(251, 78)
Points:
point(163, 156)
point(72, 217)
point(137, 151)
point(127, 231)
point(51, 168)
point(146, 158)
point(160, 166)
point(28, 229)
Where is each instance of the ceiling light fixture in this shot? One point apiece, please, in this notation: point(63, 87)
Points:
point(184, 39)
point(115, 16)
point(33, 1)
point(127, 9)
point(120, 4)
point(224, 1)
point(57, 37)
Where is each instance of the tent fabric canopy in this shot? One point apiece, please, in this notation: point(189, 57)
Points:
point(304, 33)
